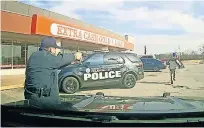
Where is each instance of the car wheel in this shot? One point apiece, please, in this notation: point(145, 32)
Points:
point(156, 69)
point(129, 81)
point(100, 93)
point(70, 85)
point(166, 94)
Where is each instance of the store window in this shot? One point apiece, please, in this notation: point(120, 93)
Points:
point(19, 54)
point(15, 54)
point(6, 54)
point(31, 48)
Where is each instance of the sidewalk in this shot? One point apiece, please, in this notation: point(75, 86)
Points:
point(12, 81)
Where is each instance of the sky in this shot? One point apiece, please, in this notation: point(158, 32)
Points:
point(164, 27)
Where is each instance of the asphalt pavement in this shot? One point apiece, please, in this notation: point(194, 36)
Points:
point(189, 82)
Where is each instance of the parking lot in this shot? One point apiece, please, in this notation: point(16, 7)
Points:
point(189, 82)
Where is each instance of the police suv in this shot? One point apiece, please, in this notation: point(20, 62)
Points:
point(100, 69)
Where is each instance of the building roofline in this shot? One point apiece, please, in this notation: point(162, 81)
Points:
point(123, 36)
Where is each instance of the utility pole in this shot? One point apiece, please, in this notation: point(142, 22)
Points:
point(145, 50)
point(202, 51)
point(179, 50)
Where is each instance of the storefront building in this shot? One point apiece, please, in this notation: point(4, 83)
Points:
point(23, 28)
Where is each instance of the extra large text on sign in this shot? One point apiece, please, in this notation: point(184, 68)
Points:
point(66, 31)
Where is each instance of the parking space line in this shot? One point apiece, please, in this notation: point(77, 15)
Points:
point(11, 87)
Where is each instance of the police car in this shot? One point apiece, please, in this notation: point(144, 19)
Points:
point(100, 69)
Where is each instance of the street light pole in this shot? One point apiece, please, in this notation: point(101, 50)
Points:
point(179, 50)
point(145, 50)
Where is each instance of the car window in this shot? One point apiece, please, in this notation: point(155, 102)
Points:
point(86, 57)
point(154, 60)
point(113, 59)
point(143, 60)
point(147, 56)
point(133, 57)
point(158, 61)
point(96, 59)
point(149, 60)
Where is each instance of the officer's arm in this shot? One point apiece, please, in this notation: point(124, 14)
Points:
point(62, 60)
point(168, 62)
point(178, 63)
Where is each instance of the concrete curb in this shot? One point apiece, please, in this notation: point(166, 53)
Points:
point(11, 87)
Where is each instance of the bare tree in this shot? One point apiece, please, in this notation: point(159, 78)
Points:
point(201, 49)
point(193, 53)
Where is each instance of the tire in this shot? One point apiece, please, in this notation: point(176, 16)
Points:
point(129, 81)
point(69, 87)
point(100, 94)
point(166, 94)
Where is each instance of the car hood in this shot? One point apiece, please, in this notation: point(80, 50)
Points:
point(73, 65)
point(112, 104)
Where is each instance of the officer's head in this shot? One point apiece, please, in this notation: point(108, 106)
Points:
point(174, 54)
point(50, 44)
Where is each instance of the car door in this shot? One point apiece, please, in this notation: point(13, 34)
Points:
point(144, 61)
point(150, 64)
point(159, 64)
point(113, 63)
point(91, 71)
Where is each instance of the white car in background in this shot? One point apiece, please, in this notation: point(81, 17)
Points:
point(201, 62)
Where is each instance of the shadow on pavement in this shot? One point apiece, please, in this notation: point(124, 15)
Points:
point(152, 75)
point(145, 82)
point(179, 86)
point(101, 88)
point(201, 88)
point(152, 71)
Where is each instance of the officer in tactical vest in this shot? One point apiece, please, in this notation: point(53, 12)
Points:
point(173, 64)
point(41, 81)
